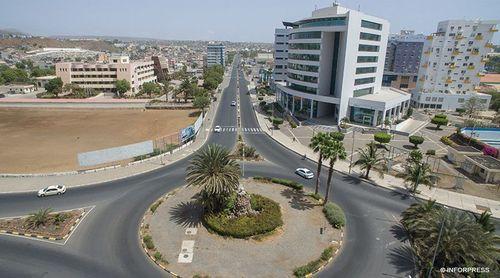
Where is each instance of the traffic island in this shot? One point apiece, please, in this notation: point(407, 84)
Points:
point(194, 246)
point(44, 224)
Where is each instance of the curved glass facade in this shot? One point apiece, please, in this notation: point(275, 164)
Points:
point(302, 88)
point(329, 21)
point(305, 57)
point(306, 35)
point(303, 67)
point(304, 78)
point(305, 46)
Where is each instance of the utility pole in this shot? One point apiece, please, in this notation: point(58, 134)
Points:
point(352, 149)
point(435, 251)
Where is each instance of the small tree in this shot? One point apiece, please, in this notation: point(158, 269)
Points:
point(416, 140)
point(472, 106)
point(337, 135)
point(122, 86)
point(54, 86)
point(439, 120)
point(201, 102)
point(382, 138)
point(276, 121)
point(39, 218)
point(150, 88)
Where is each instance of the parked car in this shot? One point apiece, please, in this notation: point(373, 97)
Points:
point(217, 128)
point(233, 103)
point(305, 173)
point(52, 190)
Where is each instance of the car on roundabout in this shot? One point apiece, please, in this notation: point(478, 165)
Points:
point(217, 129)
point(52, 190)
point(305, 173)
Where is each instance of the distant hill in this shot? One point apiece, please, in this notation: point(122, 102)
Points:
point(40, 42)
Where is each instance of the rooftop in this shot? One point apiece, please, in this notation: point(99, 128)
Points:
point(486, 161)
point(386, 94)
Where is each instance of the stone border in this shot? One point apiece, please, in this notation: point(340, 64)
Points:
point(334, 255)
point(77, 221)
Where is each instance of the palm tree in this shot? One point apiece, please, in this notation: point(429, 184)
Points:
point(418, 173)
point(334, 150)
point(485, 221)
point(38, 218)
point(417, 211)
point(318, 142)
point(371, 158)
point(214, 170)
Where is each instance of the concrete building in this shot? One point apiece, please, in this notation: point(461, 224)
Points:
point(160, 65)
point(402, 60)
point(280, 54)
point(18, 89)
point(216, 55)
point(335, 67)
point(102, 76)
point(43, 80)
point(452, 64)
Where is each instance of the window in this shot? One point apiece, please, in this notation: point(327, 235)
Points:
point(366, 70)
point(361, 81)
point(371, 25)
point(369, 48)
point(329, 21)
point(303, 67)
point(306, 57)
point(362, 92)
point(461, 100)
point(306, 35)
point(368, 36)
point(304, 78)
point(305, 46)
point(302, 88)
point(367, 59)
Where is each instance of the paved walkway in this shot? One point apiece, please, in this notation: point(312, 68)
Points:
point(32, 183)
point(449, 198)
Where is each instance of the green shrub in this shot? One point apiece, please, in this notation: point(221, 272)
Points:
point(293, 125)
point(314, 266)
point(431, 152)
point(276, 121)
point(447, 141)
point(148, 241)
point(158, 256)
point(382, 137)
point(262, 103)
point(327, 254)
point(337, 135)
point(439, 120)
point(334, 214)
point(288, 183)
point(316, 196)
point(460, 110)
point(416, 140)
point(440, 116)
point(155, 206)
point(267, 220)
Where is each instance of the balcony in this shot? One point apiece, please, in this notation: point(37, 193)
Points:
point(452, 66)
point(455, 52)
point(493, 29)
point(427, 52)
point(489, 45)
point(466, 81)
point(474, 52)
point(480, 74)
point(429, 37)
point(471, 67)
point(459, 37)
point(485, 60)
point(448, 81)
point(478, 37)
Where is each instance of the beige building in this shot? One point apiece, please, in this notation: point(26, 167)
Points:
point(101, 76)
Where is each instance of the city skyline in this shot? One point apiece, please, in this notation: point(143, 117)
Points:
point(180, 21)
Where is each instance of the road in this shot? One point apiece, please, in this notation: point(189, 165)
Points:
point(106, 243)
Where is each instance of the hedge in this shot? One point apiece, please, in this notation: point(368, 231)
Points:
point(289, 183)
point(314, 266)
point(447, 141)
point(382, 137)
point(267, 220)
point(431, 152)
point(334, 214)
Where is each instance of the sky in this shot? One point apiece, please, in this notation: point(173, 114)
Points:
point(232, 20)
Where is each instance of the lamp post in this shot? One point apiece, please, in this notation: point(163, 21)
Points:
point(352, 149)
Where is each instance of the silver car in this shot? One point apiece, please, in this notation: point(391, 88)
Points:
point(52, 190)
point(305, 173)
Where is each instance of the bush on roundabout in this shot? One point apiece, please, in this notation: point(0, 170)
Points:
point(266, 220)
point(334, 214)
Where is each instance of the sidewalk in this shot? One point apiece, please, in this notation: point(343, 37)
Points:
point(448, 198)
point(32, 183)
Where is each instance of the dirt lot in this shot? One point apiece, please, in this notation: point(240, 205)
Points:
point(48, 140)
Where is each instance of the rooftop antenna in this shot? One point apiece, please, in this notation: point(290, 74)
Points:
point(335, 3)
point(359, 7)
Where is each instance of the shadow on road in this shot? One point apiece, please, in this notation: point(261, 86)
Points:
point(297, 199)
point(187, 214)
point(399, 232)
point(403, 259)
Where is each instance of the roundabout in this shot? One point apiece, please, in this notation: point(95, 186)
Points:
point(177, 230)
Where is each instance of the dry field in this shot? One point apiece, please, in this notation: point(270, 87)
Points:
point(48, 140)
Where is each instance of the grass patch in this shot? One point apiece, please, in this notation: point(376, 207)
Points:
point(317, 197)
point(334, 214)
point(289, 183)
point(266, 220)
point(313, 266)
point(148, 241)
point(155, 206)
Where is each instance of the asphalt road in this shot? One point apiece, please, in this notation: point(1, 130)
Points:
point(106, 243)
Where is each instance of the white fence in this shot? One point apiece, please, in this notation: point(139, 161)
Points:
point(115, 154)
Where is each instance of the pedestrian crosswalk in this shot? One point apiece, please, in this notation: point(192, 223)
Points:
point(229, 129)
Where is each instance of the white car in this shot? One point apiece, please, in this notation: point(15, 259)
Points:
point(233, 103)
point(217, 129)
point(52, 190)
point(305, 173)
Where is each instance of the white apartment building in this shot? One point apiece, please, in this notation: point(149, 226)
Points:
point(216, 55)
point(335, 67)
point(101, 76)
point(280, 54)
point(452, 64)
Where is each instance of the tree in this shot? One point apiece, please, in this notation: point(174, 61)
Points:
point(417, 173)
point(337, 135)
point(122, 86)
point(416, 140)
point(472, 106)
point(484, 219)
point(382, 137)
point(10, 75)
point(439, 120)
point(318, 145)
point(201, 102)
point(71, 88)
point(334, 150)
point(38, 218)
point(371, 158)
point(54, 86)
point(150, 88)
point(186, 88)
point(212, 169)
point(276, 122)
point(415, 157)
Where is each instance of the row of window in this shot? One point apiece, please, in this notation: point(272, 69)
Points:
point(362, 92)
point(369, 48)
point(366, 70)
point(302, 88)
point(367, 59)
point(94, 82)
point(93, 76)
point(371, 25)
point(303, 67)
point(304, 78)
point(329, 21)
point(369, 37)
point(362, 81)
point(306, 57)
point(305, 46)
point(306, 35)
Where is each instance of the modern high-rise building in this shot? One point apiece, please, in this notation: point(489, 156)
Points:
point(402, 59)
point(280, 54)
point(335, 66)
point(452, 64)
point(216, 55)
point(102, 76)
